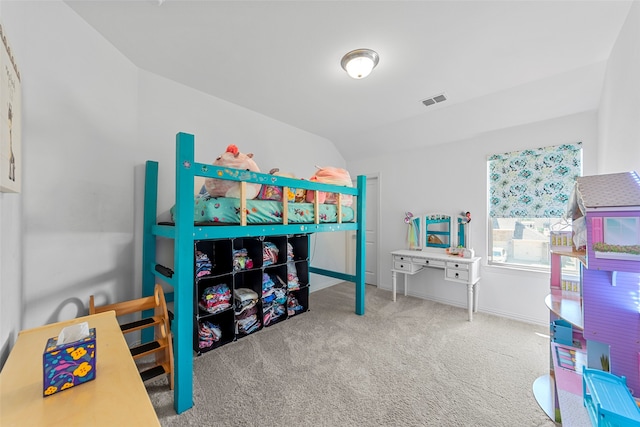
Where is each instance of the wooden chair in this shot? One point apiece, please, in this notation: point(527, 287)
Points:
point(161, 348)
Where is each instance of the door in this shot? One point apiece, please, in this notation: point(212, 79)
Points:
point(371, 234)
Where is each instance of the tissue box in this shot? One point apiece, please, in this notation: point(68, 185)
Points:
point(69, 364)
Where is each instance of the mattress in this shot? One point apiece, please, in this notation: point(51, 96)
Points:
point(225, 210)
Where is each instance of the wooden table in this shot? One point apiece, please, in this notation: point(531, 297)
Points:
point(116, 396)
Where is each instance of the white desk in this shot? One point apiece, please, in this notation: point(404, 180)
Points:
point(456, 269)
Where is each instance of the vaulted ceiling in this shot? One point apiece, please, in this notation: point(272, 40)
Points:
point(500, 63)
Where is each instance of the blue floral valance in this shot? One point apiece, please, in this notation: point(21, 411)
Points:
point(533, 183)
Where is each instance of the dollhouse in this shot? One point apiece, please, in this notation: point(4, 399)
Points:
point(595, 326)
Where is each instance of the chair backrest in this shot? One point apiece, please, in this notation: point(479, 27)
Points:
point(162, 348)
point(131, 306)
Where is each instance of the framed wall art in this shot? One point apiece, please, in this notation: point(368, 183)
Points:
point(10, 120)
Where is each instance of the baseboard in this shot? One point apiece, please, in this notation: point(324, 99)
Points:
point(517, 317)
point(509, 315)
point(7, 345)
point(324, 284)
point(453, 303)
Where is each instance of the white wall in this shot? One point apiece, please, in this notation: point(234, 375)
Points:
point(451, 178)
point(79, 116)
point(167, 107)
point(10, 253)
point(90, 121)
point(619, 112)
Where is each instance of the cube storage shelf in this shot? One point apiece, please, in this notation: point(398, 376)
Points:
point(287, 275)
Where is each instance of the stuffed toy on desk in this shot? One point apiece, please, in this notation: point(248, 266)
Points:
point(232, 158)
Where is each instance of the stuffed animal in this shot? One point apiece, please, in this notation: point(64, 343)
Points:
point(301, 195)
point(234, 159)
point(273, 192)
point(334, 176)
point(434, 239)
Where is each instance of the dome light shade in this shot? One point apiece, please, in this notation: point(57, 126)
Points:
point(360, 62)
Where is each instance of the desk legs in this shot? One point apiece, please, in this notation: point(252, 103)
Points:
point(470, 301)
point(393, 284)
point(394, 277)
point(472, 293)
point(475, 296)
point(405, 284)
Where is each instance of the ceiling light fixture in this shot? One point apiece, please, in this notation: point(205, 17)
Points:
point(359, 63)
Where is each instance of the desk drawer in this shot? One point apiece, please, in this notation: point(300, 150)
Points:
point(457, 274)
point(458, 265)
point(405, 266)
point(402, 258)
point(428, 262)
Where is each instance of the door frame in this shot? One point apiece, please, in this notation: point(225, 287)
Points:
point(351, 238)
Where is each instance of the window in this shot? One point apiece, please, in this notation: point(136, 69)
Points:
point(528, 194)
point(622, 231)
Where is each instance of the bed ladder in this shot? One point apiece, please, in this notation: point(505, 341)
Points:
point(161, 348)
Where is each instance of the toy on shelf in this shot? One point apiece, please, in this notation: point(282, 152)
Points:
point(455, 251)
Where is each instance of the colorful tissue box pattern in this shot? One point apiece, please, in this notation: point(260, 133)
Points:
point(69, 364)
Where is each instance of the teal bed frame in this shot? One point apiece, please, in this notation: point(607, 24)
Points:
point(184, 233)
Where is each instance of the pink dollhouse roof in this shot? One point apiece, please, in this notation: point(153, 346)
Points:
point(611, 190)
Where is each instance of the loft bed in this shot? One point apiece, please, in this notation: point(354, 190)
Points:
point(187, 228)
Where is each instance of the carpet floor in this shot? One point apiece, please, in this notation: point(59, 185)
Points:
point(409, 363)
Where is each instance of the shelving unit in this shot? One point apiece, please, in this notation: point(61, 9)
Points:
point(289, 273)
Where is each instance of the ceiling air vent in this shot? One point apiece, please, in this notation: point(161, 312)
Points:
point(433, 100)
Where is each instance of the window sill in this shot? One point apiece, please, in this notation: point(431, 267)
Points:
point(517, 268)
